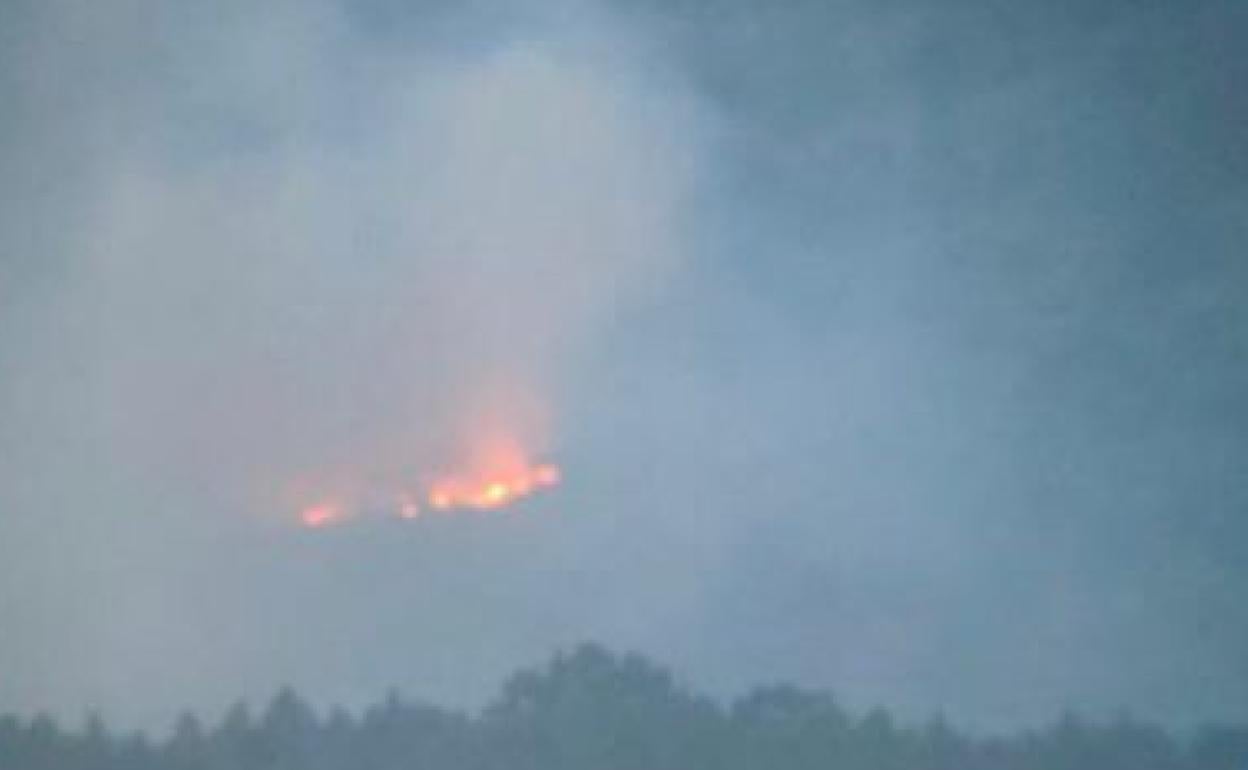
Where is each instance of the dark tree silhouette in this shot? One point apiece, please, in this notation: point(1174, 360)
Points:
point(593, 710)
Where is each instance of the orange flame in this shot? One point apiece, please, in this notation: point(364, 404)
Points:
point(495, 474)
point(485, 490)
point(321, 515)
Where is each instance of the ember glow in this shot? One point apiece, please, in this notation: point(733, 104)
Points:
point(485, 491)
point(408, 508)
point(493, 475)
point(321, 515)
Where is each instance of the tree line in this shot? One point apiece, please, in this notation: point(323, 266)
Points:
point(590, 709)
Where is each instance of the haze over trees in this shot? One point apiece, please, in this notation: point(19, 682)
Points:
point(897, 348)
point(591, 709)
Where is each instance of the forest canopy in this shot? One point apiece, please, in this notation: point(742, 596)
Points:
point(592, 709)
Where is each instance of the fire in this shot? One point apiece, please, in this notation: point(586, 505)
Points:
point(321, 515)
point(486, 489)
point(495, 474)
point(408, 508)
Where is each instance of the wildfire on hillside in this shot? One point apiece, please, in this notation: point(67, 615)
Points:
point(495, 473)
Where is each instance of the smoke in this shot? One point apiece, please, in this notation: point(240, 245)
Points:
point(266, 253)
point(299, 257)
point(928, 390)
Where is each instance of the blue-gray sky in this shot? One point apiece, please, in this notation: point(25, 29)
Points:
point(891, 348)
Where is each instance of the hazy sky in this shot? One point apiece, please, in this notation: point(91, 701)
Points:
point(893, 348)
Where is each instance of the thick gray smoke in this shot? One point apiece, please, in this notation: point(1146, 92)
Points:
point(295, 254)
point(257, 258)
point(890, 348)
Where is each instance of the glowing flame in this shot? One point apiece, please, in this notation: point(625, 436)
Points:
point(494, 474)
point(321, 515)
point(408, 507)
point(485, 490)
